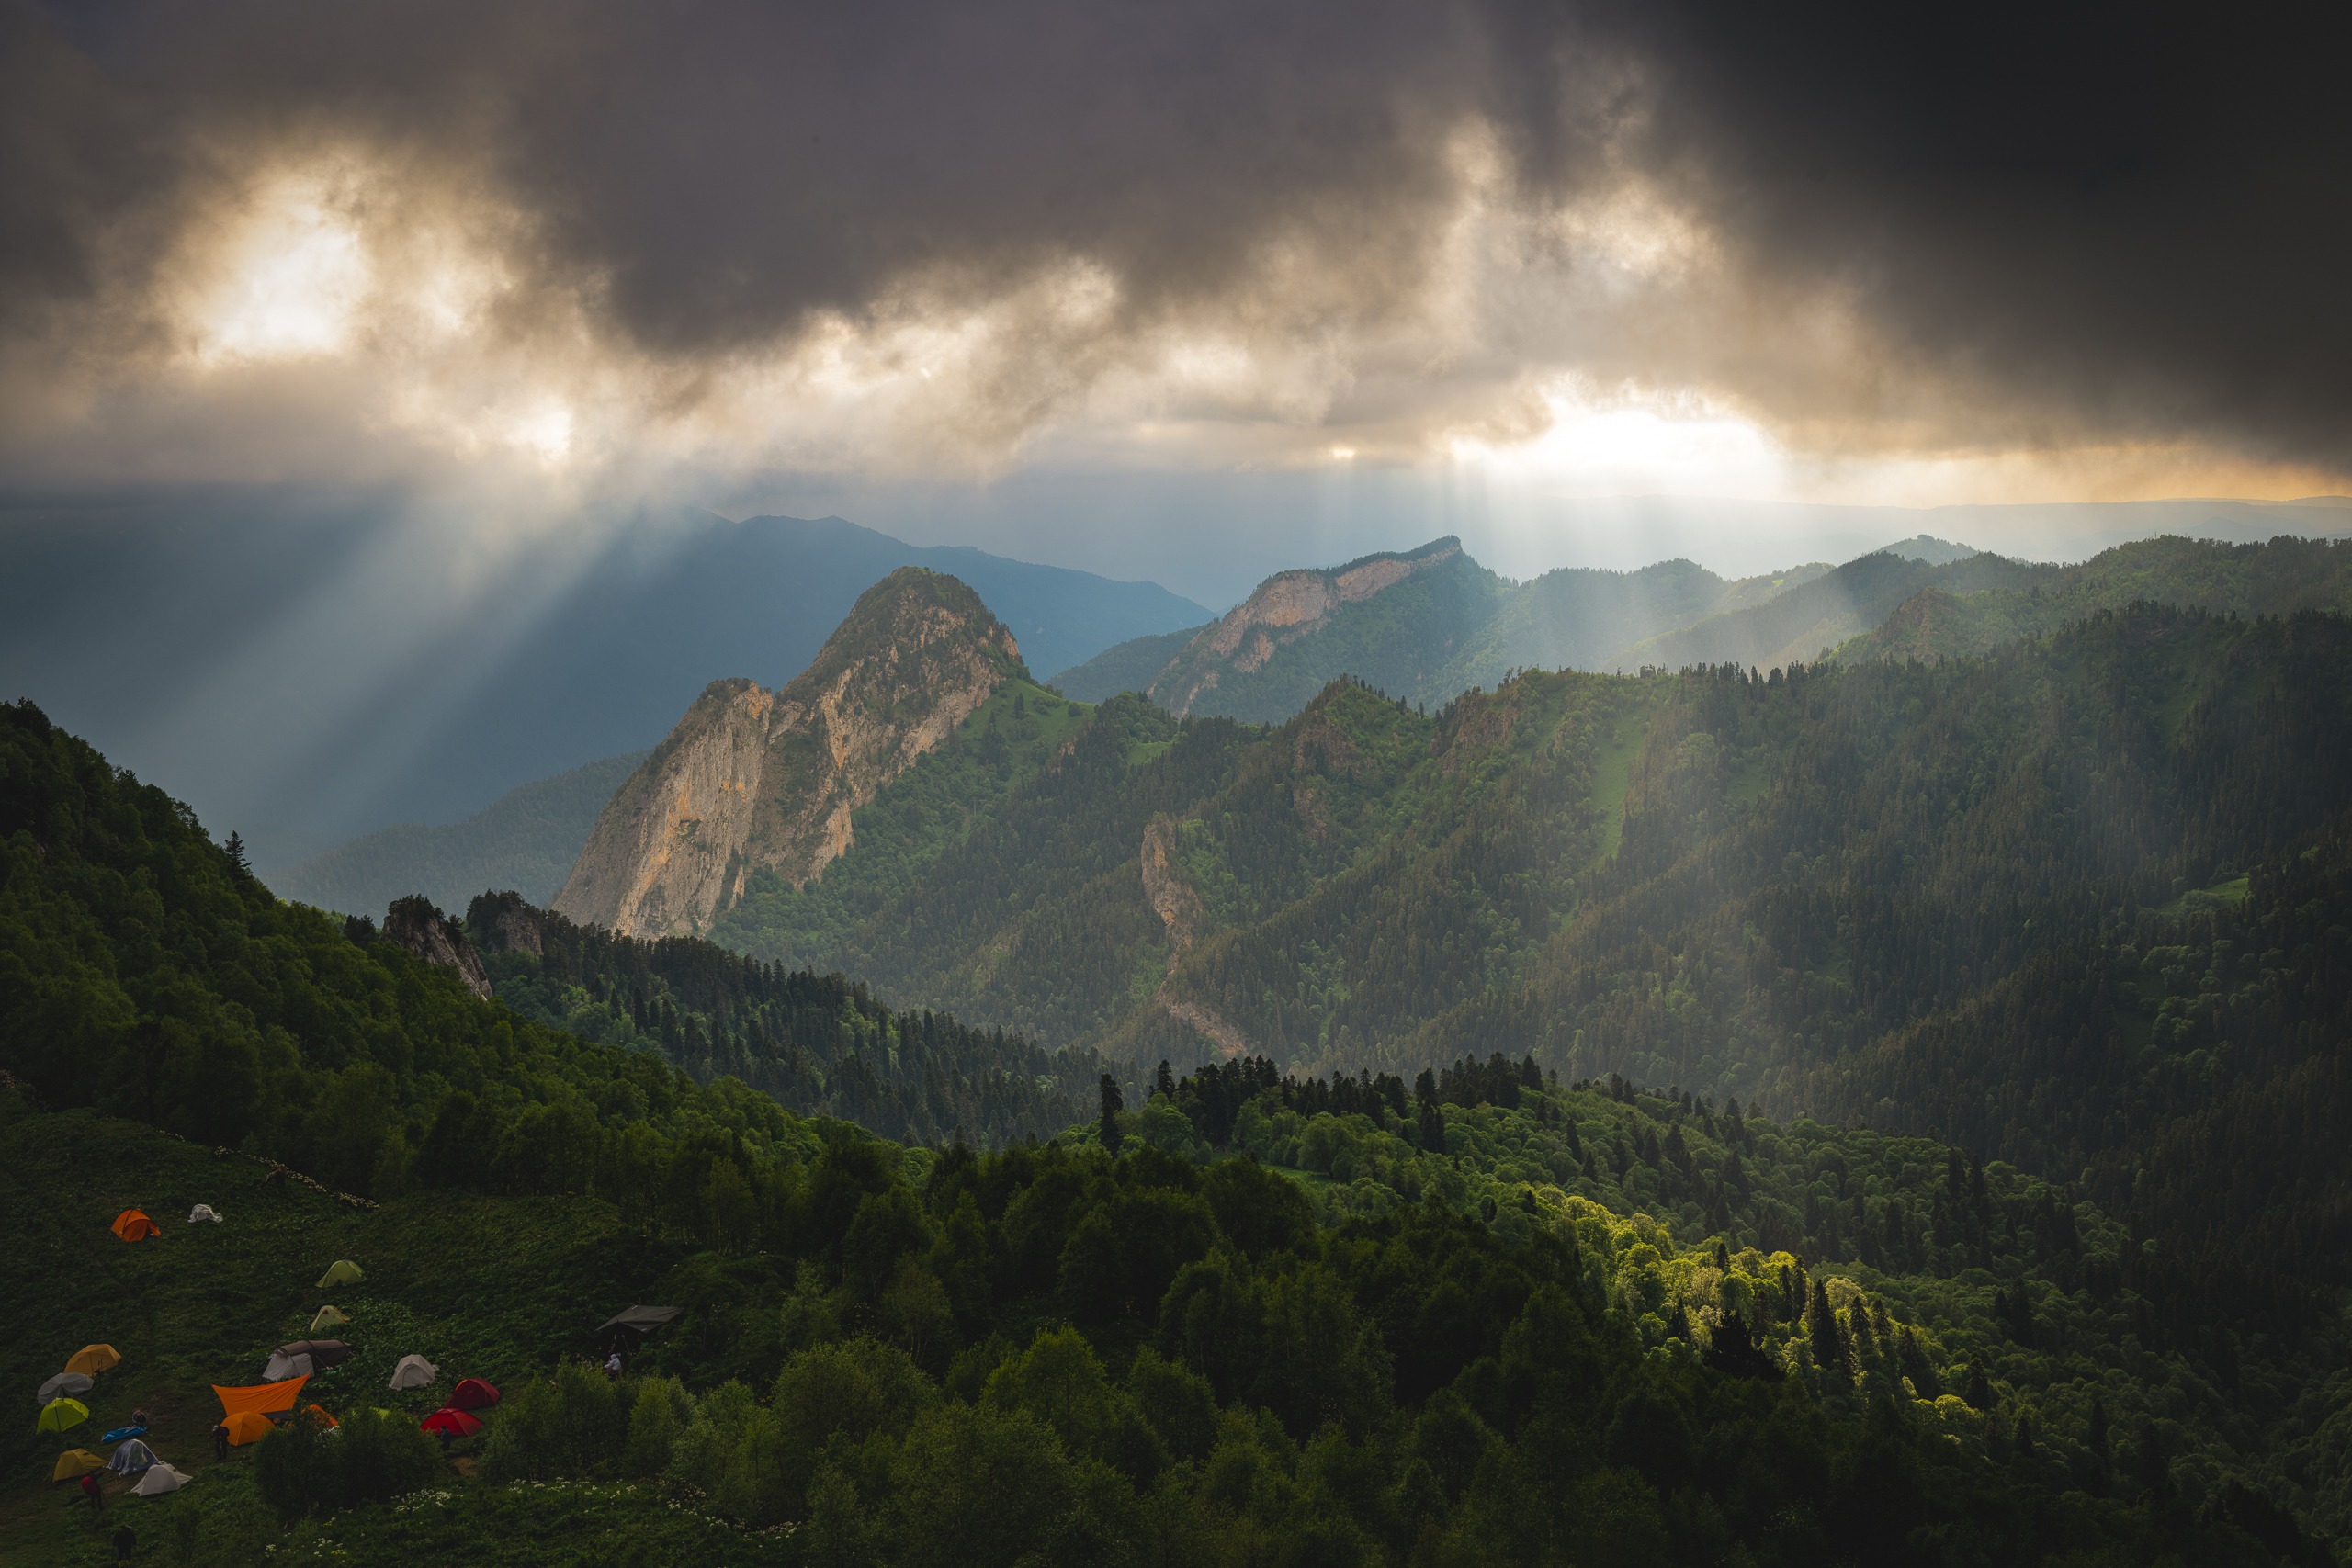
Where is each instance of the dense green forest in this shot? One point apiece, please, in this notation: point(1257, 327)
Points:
point(1129, 666)
point(1258, 1316)
point(526, 840)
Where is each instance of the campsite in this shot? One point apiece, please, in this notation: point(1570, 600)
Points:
point(488, 1290)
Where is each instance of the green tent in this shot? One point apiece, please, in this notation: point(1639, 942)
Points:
point(345, 1272)
point(328, 1317)
point(60, 1413)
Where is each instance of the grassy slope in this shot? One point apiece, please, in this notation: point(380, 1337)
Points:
point(497, 1288)
point(525, 840)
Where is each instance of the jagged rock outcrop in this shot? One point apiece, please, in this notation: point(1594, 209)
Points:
point(1287, 606)
point(754, 778)
point(418, 925)
point(1179, 910)
point(508, 923)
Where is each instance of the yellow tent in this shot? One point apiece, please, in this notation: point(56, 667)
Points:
point(61, 1414)
point(328, 1317)
point(75, 1462)
point(92, 1359)
point(345, 1272)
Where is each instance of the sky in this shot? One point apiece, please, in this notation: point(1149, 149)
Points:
point(1191, 290)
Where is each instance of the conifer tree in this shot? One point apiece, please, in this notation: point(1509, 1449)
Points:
point(235, 849)
point(1112, 1103)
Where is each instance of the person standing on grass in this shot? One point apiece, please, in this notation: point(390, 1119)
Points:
point(125, 1541)
point(220, 1441)
point(97, 1496)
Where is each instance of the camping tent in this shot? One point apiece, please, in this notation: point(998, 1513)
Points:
point(131, 1458)
point(249, 1409)
point(282, 1365)
point(343, 1271)
point(247, 1426)
point(64, 1382)
point(319, 1418)
point(630, 1328)
point(61, 1414)
point(414, 1371)
point(160, 1482)
point(454, 1423)
point(92, 1359)
point(132, 1225)
point(473, 1394)
point(201, 1213)
point(328, 1317)
point(323, 1353)
point(75, 1462)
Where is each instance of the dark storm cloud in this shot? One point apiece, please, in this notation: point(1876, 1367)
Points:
point(2075, 224)
point(2133, 215)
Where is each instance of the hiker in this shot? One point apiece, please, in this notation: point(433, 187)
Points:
point(140, 1418)
point(220, 1441)
point(125, 1541)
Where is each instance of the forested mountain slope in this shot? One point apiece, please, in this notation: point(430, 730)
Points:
point(1700, 878)
point(2246, 580)
point(528, 839)
point(1800, 624)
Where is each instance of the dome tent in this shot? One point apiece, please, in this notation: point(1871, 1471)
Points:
point(282, 1366)
point(159, 1481)
point(414, 1371)
point(202, 1212)
point(451, 1423)
point(132, 1225)
point(131, 1458)
point(473, 1394)
point(249, 1410)
point(248, 1427)
point(343, 1271)
point(64, 1382)
point(328, 1317)
point(75, 1462)
point(92, 1359)
point(59, 1414)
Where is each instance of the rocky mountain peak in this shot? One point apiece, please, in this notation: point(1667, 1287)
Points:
point(751, 777)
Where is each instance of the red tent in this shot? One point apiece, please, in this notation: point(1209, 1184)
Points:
point(473, 1394)
point(456, 1423)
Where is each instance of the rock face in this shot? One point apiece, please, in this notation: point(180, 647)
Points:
point(415, 924)
point(754, 778)
point(1287, 606)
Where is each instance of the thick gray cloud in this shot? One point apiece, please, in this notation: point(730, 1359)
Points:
point(2030, 225)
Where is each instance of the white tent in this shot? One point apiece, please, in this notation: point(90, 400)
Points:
point(131, 1458)
point(160, 1480)
point(202, 1211)
point(64, 1383)
point(414, 1371)
point(280, 1368)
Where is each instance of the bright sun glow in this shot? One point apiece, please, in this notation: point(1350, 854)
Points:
point(1633, 442)
point(296, 274)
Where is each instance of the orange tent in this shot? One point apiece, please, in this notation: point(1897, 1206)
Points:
point(132, 1225)
point(321, 1418)
point(247, 1426)
point(92, 1359)
point(262, 1398)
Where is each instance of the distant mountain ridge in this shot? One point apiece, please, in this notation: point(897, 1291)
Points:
point(1425, 624)
point(526, 839)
